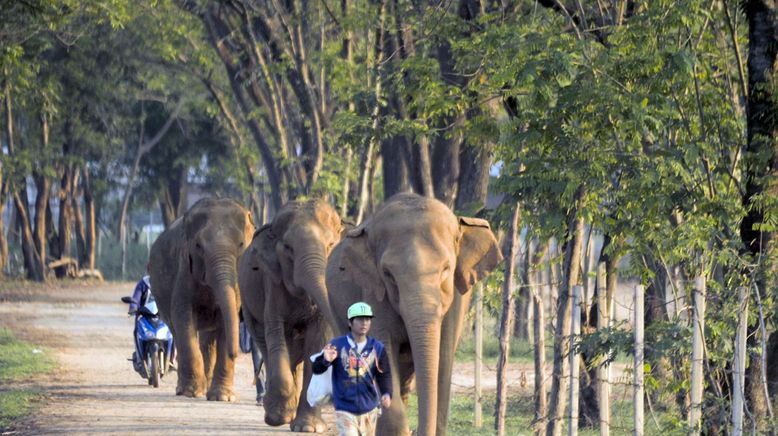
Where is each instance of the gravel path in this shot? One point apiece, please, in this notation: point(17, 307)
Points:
point(95, 390)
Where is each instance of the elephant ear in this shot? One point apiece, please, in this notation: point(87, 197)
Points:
point(478, 255)
point(264, 251)
point(249, 230)
point(359, 263)
point(194, 221)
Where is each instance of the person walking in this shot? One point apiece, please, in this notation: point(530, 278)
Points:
point(361, 377)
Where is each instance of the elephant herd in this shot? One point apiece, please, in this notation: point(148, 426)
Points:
point(413, 261)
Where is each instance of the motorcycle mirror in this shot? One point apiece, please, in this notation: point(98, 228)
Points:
point(127, 300)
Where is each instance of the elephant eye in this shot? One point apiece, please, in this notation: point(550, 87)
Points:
point(388, 275)
point(288, 249)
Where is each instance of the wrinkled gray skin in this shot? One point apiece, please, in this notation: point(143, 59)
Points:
point(414, 262)
point(282, 278)
point(193, 268)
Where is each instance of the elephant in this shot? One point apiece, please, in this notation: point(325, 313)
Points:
point(414, 262)
point(194, 278)
point(285, 305)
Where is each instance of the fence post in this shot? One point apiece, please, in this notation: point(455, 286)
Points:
point(572, 425)
point(739, 370)
point(479, 345)
point(637, 398)
point(698, 336)
point(603, 371)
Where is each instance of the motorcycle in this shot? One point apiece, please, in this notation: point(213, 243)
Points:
point(153, 342)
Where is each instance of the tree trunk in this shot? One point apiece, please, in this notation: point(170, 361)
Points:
point(32, 261)
point(506, 320)
point(173, 198)
point(761, 160)
point(346, 187)
point(394, 152)
point(90, 221)
point(3, 239)
point(572, 268)
point(539, 339)
point(218, 33)
point(474, 163)
point(78, 219)
point(43, 186)
point(65, 217)
point(144, 147)
point(524, 299)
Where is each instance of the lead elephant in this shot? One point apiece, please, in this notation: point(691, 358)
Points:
point(193, 268)
point(285, 305)
point(414, 263)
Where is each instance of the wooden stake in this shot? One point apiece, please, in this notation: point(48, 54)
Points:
point(603, 371)
point(698, 336)
point(739, 364)
point(479, 345)
point(637, 398)
point(572, 423)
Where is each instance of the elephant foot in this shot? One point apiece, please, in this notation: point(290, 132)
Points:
point(308, 424)
point(191, 391)
point(221, 393)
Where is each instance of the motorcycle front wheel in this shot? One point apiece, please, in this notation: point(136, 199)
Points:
point(154, 370)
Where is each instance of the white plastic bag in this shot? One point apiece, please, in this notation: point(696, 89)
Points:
point(320, 388)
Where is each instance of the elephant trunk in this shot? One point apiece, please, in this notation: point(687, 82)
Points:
point(424, 334)
point(224, 284)
point(312, 272)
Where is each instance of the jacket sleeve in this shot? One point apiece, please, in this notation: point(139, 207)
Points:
point(136, 296)
point(384, 374)
point(320, 365)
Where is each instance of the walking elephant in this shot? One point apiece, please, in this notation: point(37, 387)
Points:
point(285, 305)
point(193, 268)
point(414, 262)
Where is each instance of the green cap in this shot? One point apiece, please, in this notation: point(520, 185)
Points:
point(359, 309)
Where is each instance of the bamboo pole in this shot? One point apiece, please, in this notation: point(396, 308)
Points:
point(479, 345)
point(603, 371)
point(572, 423)
point(698, 336)
point(739, 370)
point(637, 399)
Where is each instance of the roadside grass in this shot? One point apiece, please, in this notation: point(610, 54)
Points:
point(19, 360)
point(520, 352)
point(520, 414)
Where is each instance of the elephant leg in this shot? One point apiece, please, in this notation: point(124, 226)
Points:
point(191, 377)
point(221, 386)
point(280, 401)
point(308, 419)
point(208, 350)
point(452, 328)
point(393, 421)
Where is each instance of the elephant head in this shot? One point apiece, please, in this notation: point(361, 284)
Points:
point(217, 231)
point(413, 259)
point(295, 247)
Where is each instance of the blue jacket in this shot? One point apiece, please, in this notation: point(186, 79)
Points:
point(355, 375)
point(140, 294)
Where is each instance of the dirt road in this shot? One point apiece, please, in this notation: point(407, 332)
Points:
point(95, 390)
